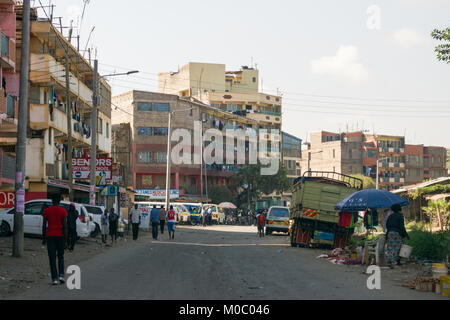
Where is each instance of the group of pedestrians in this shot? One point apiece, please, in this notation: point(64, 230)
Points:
point(206, 215)
point(158, 218)
point(109, 224)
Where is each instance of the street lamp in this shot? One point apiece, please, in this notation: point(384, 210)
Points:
point(93, 155)
point(376, 182)
point(120, 74)
point(168, 158)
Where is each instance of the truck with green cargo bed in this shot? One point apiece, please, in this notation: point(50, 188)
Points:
point(313, 218)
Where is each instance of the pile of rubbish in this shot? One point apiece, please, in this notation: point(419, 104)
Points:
point(346, 256)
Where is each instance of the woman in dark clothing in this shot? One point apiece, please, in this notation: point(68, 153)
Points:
point(395, 232)
point(113, 224)
point(72, 226)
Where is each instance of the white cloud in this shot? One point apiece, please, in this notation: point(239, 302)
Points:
point(407, 38)
point(345, 64)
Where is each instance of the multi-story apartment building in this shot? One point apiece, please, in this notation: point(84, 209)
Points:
point(140, 122)
point(230, 91)
point(9, 91)
point(47, 141)
point(391, 160)
point(333, 152)
point(398, 163)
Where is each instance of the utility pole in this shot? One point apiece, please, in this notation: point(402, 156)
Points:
point(93, 160)
point(17, 250)
point(168, 162)
point(69, 128)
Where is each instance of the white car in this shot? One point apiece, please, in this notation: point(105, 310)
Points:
point(32, 218)
point(96, 213)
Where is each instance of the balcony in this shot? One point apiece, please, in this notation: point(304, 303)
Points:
point(7, 52)
point(266, 116)
point(40, 119)
point(44, 68)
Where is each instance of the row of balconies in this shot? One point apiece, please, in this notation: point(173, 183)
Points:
point(43, 67)
point(392, 164)
point(391, 149)
point(392, 180)
point(40, 119)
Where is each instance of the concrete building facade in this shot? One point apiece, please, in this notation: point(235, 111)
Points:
point(358, 153)
point(47, 149)
point(140, 122)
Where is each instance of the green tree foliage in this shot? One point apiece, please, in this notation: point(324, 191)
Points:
point(443, 50)
point(249, 177)
point(219, 194)
point(368, 182)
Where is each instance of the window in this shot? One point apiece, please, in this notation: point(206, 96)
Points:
point(100, 125)
point(107, 130)
point(50, 136)
point(164, 107)
point(33, 209)
point(144, 131)
point(350, 155)
point(161, 156)
point(10, 106)
point(160, 131)
point(254, 79)
point(334, 154)
point(145, 157)
point(144, 106)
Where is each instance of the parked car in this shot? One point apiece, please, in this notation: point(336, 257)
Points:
point(96, 212)
point(32, 218)
point(277, 220)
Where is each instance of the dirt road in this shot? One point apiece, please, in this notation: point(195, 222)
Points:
point(219, 262)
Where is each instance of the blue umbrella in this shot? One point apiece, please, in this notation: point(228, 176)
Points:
point(369, 199)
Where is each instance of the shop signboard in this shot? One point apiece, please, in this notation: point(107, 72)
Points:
point(157, 193)
point(81, 169)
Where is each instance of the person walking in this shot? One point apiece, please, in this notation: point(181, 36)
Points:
point(113, 221)
point(170, 216)
point(54, 234)
point(72, 226)
point(104, 221)
point(396, 231)
point(203, 214)
point(154, 219)
point(209, 215)
point(261, 221)
point(162, 218)
point(135, 219)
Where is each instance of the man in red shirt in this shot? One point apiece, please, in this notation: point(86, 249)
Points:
point(170, 217)
point(261, 218)
point(54, 233)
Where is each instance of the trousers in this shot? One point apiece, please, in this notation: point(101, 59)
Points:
point(155, 226)
point(55, 248)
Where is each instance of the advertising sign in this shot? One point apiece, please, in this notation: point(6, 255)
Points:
point(157, 193)
point(81, 169)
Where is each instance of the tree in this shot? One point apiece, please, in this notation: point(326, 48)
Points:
point(253, 184)
point(220, 194)
point(443, 50)
point(368, 182)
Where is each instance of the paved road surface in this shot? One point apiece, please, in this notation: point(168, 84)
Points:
point(219, 262)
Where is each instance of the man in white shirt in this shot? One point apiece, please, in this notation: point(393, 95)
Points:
point(135, 219)
point(209, 215)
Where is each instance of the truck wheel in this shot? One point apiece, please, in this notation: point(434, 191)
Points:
point(193, 222)
point(5, 229)
point(268, 231)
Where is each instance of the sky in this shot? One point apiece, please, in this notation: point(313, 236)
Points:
point(339, 65)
